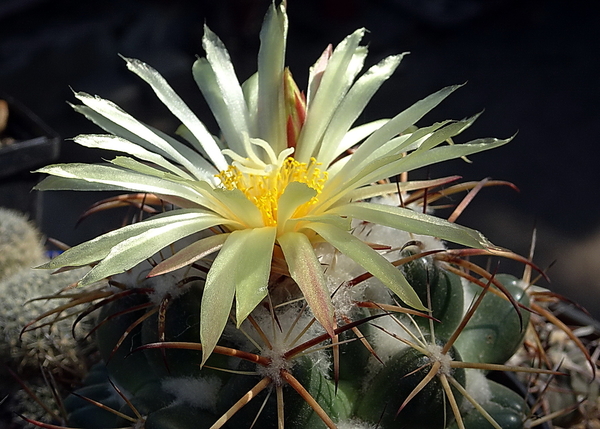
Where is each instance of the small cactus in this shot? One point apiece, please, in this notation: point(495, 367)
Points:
point(20, 243)
point(32, 356)
point(52, 347)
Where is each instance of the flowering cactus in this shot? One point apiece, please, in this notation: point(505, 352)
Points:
point(287, 304)
point(281, 181)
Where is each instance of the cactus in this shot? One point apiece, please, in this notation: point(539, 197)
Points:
point(280, 366)
point(20, 243)
point(34, 355)
point(299, 320)
point(387, 367)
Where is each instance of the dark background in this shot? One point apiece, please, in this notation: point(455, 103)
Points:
point(532, 65)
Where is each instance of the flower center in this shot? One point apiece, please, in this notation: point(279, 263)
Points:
point(265, 190)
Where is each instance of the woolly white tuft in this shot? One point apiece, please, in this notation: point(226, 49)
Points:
point(197, 392)
point(478, 388)
point(355, 424)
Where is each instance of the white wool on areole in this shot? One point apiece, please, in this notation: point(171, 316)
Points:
point(340, 269)
point(197, 392)
point(478, 387)
point(355, 423)
point(286, 332)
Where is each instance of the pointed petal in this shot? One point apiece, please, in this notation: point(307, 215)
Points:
point(230, 125)
point(370, 260)
point(253, 269)
point(398, 124)
point(239, 207)
point(219, 291)
point(227, 82)
point(114, 143)
point(353, 137)
point(175, 104)
point(250, 89)
point(343, 66)
point(393, 188)
point(295, 194)
point(392, 165)
point(446, 133)
point(307, 272)
point(315, 73)
point(417, 159)
point(114, 114)
point(353, 104)
point(190, 254)
point(53, 183)
point(128, 253)
point(271, 59)
point(419, 223)
point(116, 179)
point(100, 247)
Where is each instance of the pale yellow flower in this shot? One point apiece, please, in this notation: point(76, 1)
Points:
point(282, 180)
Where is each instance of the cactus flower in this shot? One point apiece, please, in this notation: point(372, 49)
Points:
point(280, 179)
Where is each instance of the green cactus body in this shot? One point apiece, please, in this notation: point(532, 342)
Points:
point(96, 386)
point(354, 356)
point(131, 371)
point(505, 406)
point(180, 416)
point(392, 385)
point(182, 324)
point(494, 332)
point(298, 414)
point(166, 386)
point(445, 290)
point(322, 388)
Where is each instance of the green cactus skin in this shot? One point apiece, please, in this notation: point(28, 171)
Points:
point(446, 293)
point(298, 414)
point(354, 356)
point(494, 332)
point(20, 243)
point(182, 324)
point(180, 417)
point(505, 406)
point(335, 404)
point(131, 371)
point(562, 395)
point(392, 385)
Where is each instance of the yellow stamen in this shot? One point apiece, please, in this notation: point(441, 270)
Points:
point(264, 190)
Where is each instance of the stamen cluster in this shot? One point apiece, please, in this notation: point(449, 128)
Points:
point(265, 190)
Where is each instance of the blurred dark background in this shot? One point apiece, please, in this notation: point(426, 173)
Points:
point(533, 65)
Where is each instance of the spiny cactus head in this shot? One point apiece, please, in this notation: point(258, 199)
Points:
point(20, 243)
point(52, 346)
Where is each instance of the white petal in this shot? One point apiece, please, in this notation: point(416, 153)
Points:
point(397, 125)
point(343, 66)
point(271, 122)
point(253, 268)
point(419, 223)
point(176, 105)
point(370, 260)
point(227, 81)
point(352, 106)
point(123, 120)
point(232, 127)
point(114, 143)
